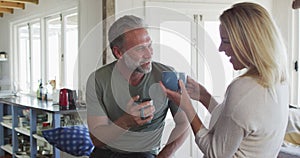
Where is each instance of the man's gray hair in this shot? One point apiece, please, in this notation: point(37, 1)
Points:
point(121, 26)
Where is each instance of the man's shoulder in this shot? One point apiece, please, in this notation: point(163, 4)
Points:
point(102, 73)
point(106, 68)
point(162, 67)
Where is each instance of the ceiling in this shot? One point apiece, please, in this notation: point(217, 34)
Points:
point(8, 6)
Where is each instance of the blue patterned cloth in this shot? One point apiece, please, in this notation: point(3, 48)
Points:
point(74, 140)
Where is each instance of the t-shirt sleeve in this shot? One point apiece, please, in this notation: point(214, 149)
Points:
point(93, 100)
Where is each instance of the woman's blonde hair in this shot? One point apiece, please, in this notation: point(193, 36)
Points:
point(256, 40)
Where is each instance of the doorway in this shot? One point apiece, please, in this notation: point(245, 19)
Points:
point(186, 37)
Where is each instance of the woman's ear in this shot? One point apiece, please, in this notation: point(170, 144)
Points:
point(117, 52)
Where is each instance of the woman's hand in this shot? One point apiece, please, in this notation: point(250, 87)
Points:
point(182, 99)
point(194, 88)
point(184, 102)
point(198, 92)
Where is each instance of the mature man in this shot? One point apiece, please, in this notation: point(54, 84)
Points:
point(114, 113)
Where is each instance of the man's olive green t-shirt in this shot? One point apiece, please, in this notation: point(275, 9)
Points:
point(108, 94)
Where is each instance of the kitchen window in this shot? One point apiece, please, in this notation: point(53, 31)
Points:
point(46, 49)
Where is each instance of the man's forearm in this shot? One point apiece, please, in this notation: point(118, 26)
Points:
point(104, 134)
point(175, 141)
point(177, 136)
point(96, 142)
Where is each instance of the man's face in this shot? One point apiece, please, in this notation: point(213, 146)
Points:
point(137, 49)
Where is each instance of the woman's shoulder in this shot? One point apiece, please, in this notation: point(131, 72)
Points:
point(244, 82)
point(242, 88)
point(242, 94)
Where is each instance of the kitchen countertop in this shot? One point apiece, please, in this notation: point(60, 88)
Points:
point(33, 102)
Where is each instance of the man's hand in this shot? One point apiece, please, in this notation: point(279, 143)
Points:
point(102, 132)
point(133, 116)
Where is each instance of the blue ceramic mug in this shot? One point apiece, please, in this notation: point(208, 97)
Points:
point(170, 79)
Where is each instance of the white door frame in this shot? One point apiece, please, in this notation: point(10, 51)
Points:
point(196, 13)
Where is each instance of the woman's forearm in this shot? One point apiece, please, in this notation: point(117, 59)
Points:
point(193, 118)
point(207, 100)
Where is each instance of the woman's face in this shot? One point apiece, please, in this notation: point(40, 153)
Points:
point(225, 46)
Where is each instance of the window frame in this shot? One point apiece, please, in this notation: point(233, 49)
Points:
point(15, 80)
point(294, 48)
point(295, 99)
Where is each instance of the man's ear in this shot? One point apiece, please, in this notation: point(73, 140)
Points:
point(117, 52)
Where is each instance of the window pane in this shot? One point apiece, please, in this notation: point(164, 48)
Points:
point(53, 49)
point(36, 55)
point(24, 67)
point(71, 51)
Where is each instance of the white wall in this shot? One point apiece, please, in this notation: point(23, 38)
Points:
point(129, 4)
point(90, 40)
point(4, 46)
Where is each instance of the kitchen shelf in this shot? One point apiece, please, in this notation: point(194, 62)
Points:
point(37, 137)
point(22, 156)
point(7, 125)
point(15, 106)
point(23, 130)
point(7, 148)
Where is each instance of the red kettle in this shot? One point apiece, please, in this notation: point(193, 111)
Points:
point(66, 97)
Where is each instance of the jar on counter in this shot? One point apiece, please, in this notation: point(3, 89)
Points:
point(45, 125)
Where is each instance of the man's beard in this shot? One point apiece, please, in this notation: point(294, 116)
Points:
point(135, 66)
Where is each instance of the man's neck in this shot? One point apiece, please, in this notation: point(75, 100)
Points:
point(133, 77)
point(136, 78)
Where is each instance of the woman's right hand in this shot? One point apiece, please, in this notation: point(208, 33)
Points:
point(181, 99)
point(198, 92)
point(194, 88)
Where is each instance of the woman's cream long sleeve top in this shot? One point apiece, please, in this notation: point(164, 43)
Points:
point(251, 122)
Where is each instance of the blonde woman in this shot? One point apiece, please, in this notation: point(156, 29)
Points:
point(252, 119)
